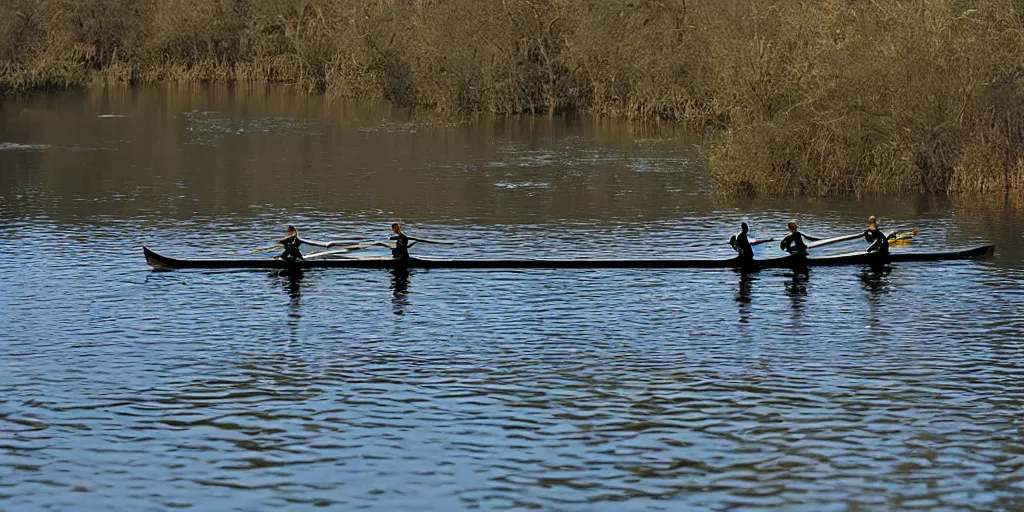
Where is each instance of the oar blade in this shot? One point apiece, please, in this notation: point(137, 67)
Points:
point(903, 238)
point(266, 249)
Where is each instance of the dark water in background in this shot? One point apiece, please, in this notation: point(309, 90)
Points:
point(842, 389)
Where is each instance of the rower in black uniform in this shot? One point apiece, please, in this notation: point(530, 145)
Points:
point(402, 243)
point(743, 244)
point(401, 249)
point(879, 241)
point(794, 241)
point(291, 243)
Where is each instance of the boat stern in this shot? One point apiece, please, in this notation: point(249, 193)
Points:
point(155, 260)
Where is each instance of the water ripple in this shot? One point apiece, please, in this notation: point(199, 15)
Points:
point(838, 389)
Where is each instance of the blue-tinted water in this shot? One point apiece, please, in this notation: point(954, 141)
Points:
point(125, 389)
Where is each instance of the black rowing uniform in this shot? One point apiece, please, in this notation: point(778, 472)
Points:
point(794, 242)
point(879, 241)
point(401, 249)
point(291, 249)
point(741, 244)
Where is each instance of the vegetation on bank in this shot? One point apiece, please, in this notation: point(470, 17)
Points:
point(831, 97)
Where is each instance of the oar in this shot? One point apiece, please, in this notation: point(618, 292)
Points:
point(834, 240)
point(846, 238)
point(342, 253)
point(316, 243)
point(426, 241)
point(266, 249)
point(353, 247)
point(331, 243)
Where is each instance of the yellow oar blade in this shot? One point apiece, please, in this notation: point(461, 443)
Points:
point(266, 249)
point(904, 238)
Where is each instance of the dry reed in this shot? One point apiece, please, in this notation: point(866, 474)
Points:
point(836, 97)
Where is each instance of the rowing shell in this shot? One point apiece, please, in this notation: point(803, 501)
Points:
point(160, 262)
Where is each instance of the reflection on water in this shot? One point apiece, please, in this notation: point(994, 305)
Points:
point(876, 279)
point(746, 279)
point(895, 388)
point(400, 289)
point(291, 281)
point(217, 152)
point(796, 286)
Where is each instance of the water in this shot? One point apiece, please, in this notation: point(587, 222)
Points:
point(124, 389)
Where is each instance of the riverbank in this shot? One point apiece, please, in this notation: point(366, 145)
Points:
point(825, 100)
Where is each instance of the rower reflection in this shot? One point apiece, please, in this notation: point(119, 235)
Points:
point(399, 289)
point(796, 287)
point(292, 279)
point(796, 290)
point(743, 290)
point(292, 282)
point(746, 282)
point(875, 279)
point(400, 281)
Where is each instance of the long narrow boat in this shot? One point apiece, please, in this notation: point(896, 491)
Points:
point(160, 262)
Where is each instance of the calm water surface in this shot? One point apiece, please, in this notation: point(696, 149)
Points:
point(124, 389)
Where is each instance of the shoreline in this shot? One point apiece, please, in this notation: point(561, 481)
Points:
point(820, 101)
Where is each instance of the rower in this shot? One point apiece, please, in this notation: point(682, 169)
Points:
point(878, 240)
point(291, 243)
point(401, 249)
point(794, 241)
point(743, 244)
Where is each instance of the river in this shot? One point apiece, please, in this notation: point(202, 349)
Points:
point(126, 389)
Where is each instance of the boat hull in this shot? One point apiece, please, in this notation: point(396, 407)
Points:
point(160, 262)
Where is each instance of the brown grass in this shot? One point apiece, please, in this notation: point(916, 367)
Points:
point(836, 97)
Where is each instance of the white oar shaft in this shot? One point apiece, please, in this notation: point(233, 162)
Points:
point(834, 240)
